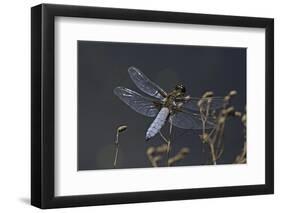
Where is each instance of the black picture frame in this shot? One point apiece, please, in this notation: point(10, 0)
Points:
point(43, 114)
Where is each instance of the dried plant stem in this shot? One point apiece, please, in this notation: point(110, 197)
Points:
point(241, 158)
point(116, 148)
point(116, 142)
point(152, 160)
point(213, 154)
point(178, 157)
point(168, 141)
point(214, 137)
point(163, 137)
point(116, 154)
point(204, 112)
point(220, 151)
point(155, 154)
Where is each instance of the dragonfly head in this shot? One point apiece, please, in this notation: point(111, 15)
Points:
point(180, 89)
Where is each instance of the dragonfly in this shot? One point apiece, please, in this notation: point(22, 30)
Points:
point(175, 107)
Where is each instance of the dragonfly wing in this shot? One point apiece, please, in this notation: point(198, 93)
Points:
point(192, 103)
point(189, 120)
point(146, 85)
point(143, 105)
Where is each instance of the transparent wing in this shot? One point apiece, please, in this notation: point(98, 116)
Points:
point(192, 104)
point(189, 120)
point(146, 85)
point(143, 105)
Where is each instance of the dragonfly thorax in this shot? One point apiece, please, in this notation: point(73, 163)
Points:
point(171, 100)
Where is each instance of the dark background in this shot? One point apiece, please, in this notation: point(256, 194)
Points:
point(102, 66)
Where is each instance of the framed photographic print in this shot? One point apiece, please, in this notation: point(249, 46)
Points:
point(140, 106)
